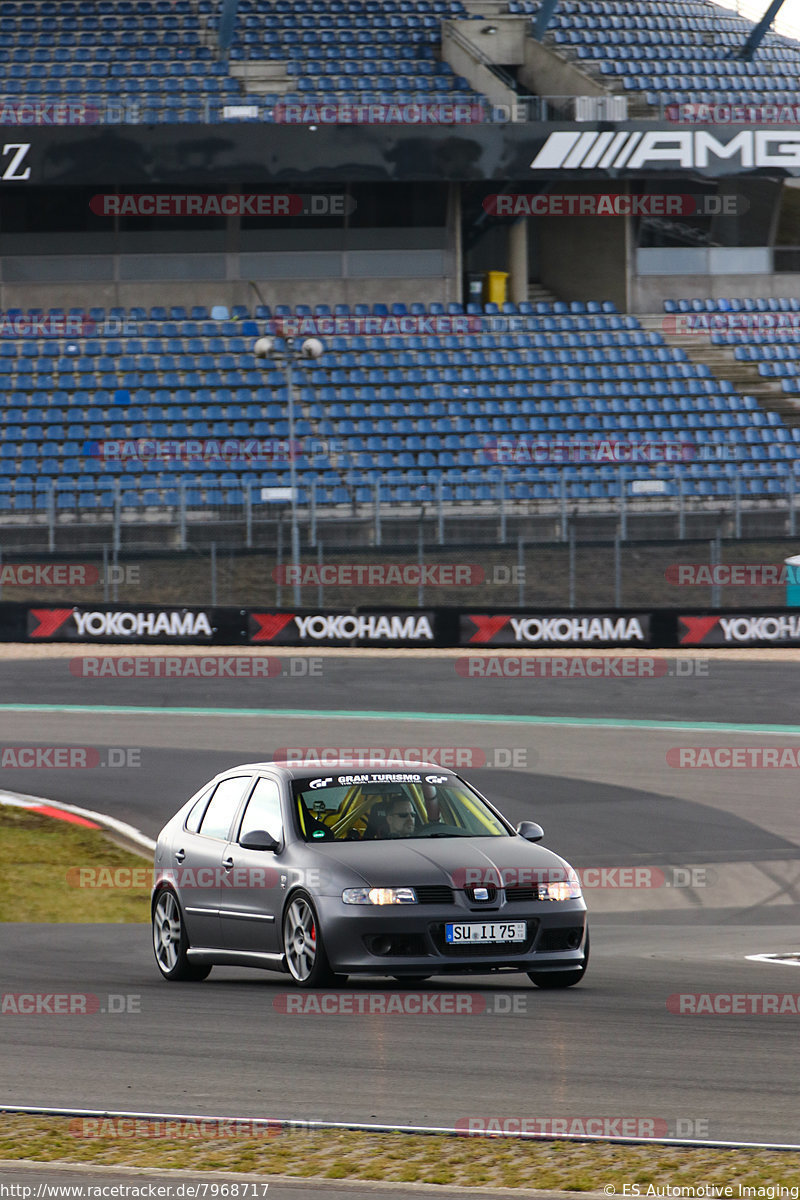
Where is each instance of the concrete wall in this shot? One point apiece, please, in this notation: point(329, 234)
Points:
point(583, 258)
point(550, 75)
point(648, 292)
point(148, 295)
point(465, 63)
point(505, 48)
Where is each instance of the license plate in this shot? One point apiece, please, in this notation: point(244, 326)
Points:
point(510, 931)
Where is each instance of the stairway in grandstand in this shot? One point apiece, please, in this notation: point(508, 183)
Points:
point(709, 350)
point(539, 294)
point(658, 52)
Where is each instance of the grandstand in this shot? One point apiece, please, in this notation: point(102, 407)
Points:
point(670, 51)
point(162, 312)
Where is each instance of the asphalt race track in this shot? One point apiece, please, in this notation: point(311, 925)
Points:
point(719, 850)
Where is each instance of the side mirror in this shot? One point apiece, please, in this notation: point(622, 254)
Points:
point(258, 839)
point(530, 831)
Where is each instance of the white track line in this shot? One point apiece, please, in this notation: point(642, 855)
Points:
point(21, 800)
point(358, 1127)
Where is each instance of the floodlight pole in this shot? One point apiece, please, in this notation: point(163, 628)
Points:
point(293, 480)
point(285, 359)
point(749, 48)
point(546, 14)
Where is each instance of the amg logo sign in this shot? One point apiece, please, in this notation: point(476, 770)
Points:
point(695, 148)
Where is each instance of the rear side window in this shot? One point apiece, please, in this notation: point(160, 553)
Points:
point(195, 816)
point(218, 816)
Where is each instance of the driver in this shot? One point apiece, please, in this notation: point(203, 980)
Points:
point(400, 815)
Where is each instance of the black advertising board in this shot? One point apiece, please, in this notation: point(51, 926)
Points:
point(323, 627)
point(301, 153)
point(558, 627)
point(739, 627)
point(410, 628)
point(131, 625)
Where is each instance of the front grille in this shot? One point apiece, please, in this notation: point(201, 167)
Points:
point(482, 949)
point(516, 895)
point(435, 894)
point(491, 895)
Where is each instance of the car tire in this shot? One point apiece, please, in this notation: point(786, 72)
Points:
point(170, 942)
point(561, 979)
point(303, 947)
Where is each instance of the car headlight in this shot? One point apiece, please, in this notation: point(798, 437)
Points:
point(561, 889)
point(379, 895)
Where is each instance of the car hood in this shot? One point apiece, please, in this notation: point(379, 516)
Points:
point(453, 861)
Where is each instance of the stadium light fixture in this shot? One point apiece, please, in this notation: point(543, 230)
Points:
point(286, 356)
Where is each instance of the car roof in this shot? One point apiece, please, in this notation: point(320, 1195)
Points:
point(345, 766)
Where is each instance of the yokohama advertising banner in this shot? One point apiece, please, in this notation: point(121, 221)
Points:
point(116, 623)
point(751, 627)
point(409, 627)
point(555, 629)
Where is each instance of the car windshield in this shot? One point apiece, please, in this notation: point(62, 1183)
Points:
point(380, 805)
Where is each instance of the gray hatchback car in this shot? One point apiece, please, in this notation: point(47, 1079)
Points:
point(401, 870)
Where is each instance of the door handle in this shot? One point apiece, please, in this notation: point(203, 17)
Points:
point(227, 863)
point(180, 855)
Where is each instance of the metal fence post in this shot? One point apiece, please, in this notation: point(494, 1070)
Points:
point(737, 507)
point(312, 532)
point(521, 572)
point(421, 560)
point(572, 566)
point(563, 498)
point(51, 518)
point(681, 510)
point(213, 566)
point(279, 563)
point(716, 559)
point(623, 506)
point(440, 509)
point(501, 485)
point(792, 517)
point(115, 573)
point(105, 573)
point(320, 556)
point(248, 516)
point(182, 515)
point(617, 570)
point(117, 538)
point(377, 512)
